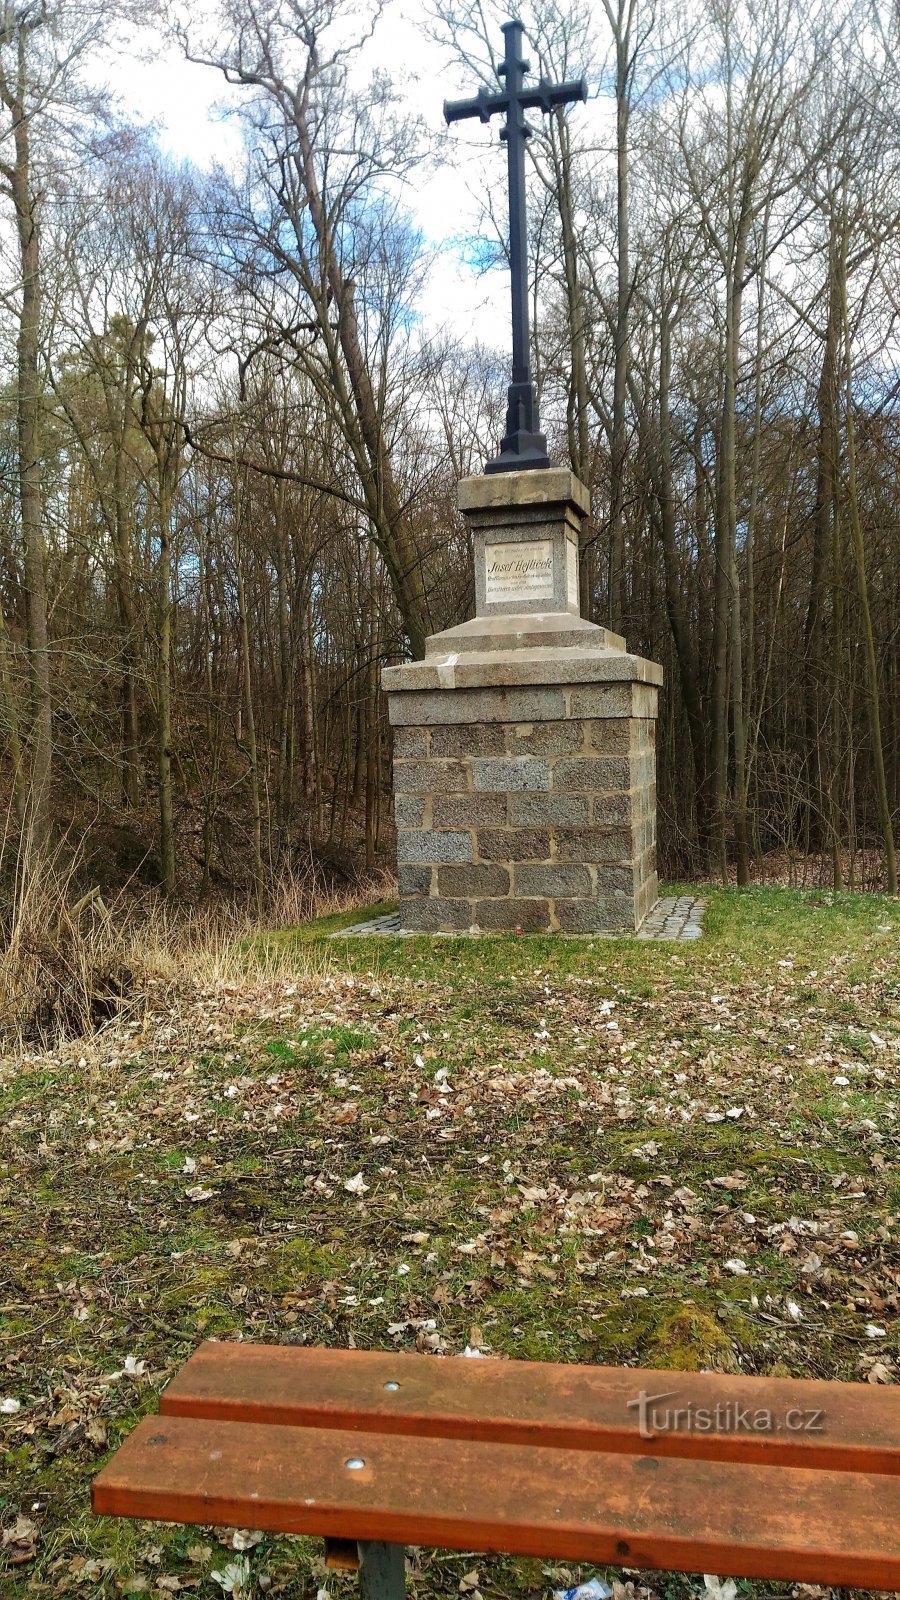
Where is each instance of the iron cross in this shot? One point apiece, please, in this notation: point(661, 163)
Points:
point(524, 445)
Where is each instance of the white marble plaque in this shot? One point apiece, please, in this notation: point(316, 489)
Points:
point(571, 573)
point(518, 571)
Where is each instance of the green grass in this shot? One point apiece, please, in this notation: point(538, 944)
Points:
point(522, 1175)
point(323, 927)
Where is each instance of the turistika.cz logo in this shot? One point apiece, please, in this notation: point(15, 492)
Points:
point(655, 1416)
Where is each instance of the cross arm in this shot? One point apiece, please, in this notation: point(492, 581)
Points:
point(483, 106)
point(547, 95)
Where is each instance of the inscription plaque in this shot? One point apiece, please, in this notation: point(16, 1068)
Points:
point(519, 571)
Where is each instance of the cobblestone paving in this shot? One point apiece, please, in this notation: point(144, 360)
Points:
point(674, 917)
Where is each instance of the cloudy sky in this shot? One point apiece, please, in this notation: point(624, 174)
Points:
point(187, 104)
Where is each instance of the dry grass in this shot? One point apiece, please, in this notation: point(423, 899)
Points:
point(70, 962)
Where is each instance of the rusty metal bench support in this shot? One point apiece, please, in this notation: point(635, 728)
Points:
point(382, 1570)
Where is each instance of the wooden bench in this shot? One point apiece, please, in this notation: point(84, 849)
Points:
point(787, 1479)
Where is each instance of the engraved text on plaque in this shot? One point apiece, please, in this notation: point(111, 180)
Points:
point(519, 571)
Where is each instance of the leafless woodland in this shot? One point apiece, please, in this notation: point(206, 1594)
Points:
point(229, 439)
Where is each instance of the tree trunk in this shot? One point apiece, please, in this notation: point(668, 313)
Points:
point(726, 536)
point(618, 450)
point(250, 744)
point(28, 417)
point(859, 550)
point(577, 400)
point(373, 461)
point(11, 719)
point(741, 839)
point(128, 621)
point(164, 702)
point(674, 588)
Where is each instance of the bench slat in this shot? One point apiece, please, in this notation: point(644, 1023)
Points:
point(561, 1406)
point(643, 1511)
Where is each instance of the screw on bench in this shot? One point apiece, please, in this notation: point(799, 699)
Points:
point(382, 1570)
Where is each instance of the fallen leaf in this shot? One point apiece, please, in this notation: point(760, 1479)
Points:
point(246, 1538)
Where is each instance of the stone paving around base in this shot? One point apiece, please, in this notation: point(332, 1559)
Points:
point(674, 917)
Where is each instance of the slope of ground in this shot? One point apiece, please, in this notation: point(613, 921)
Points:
point(580, 1150)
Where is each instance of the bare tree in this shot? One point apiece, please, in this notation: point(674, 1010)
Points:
point(41, 49)
point(322, 156)
point(738, 146)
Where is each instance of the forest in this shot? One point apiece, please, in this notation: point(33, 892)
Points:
point(232, 424)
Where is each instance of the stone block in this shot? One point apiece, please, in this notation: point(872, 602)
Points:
point(435, 915)
point(427, 845)
point(568, 881)
point(607, 736)
point(592, 774)
point(513, 844)
point(409, 810)
point(543, 738)
point(413, 880)
point(645, 835)
point(471, 881)
point(430, 777)
point(517, 669)
point(532, 916)
point(539, 630)
point(614, 810)
point(410, 743)
point(601, 700)
point(469, 810)
point(613, 700)
point(643, 769)
point(432, 707)
point(549, 810)
point(617, 736)
point(504, 777)
point(503, 491)
point(645, 866)
point(593, 844)
point(468, 739)
point(603, 915)
point(645, 899)
point(617, 879)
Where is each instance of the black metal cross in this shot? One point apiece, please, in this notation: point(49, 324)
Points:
point(524, 445)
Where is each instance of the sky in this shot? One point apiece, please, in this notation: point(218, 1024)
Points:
point(186, 103)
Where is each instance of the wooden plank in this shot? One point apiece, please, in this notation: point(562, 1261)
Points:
point(643, 1511)
point(854, 1426)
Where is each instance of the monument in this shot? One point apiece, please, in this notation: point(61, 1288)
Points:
point(524, 742)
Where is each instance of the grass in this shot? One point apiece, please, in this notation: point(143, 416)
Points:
point(564, 1147)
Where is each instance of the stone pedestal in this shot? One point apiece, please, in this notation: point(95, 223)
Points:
point(524, 743)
